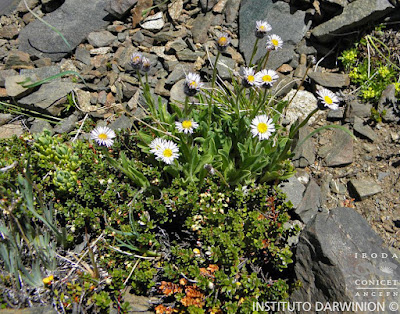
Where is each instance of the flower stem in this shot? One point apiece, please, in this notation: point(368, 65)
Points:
point(254, 51)
point(265, 60)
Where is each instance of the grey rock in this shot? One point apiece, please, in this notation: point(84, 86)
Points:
point(4, 74)
point(48, 94)
point(31, 4)
point(283, 85)
point(357, 109)
point(138, 303)
point(177, 45)
point(177, 93)
point(294, 191)
point(122, 36)
point(201, 26)
point(122, 123)
point(178, 73)
point(119, 8)
point(390, 104)
point(4, 118)
point(75, 19)
point(101, 39)
point(364, 188)
point(225, 67)
point(330, 263)
point(82, 55)
point(9, 31)
point(8, 6)
point(189, 55)
point(363, 129)
point(207, 5)
point(382, 175)
point(232, 10)
point(14, 89)
point(154, 22)
point(339, 150)
point(175, 9)
point(68, 124)
point(18, 60)
point(334, 115)
point(124, 58)
point(31, 310)
point(138, 37)
point(311, 202)
point(355, 14)
point(39, 125)
point(326, 79)
point(277, 14)
point(301, 104)
point(38, 74)
point(304, 154)
point(11, 129)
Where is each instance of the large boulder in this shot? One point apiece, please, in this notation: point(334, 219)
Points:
point(355, 14)
point(340, 258)
point(291, 27)
point(75, 19)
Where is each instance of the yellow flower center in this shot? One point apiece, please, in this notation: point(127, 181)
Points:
point(193, 84)
point(167, 152)
point(187, 124)
point(136, 59)
point(250, 78)
point(262, 127)
point(275, 42)
point(267, 78)
point(222, 41)
point(103, 136)
point(262, 28)
point(328, 100)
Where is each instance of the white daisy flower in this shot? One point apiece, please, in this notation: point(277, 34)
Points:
point(146, 64)
point(262, 27)
point(156, 145)
point(328, 98)
point(168, 152)
point(192, 84)
point(262, 126)
point(223, 41)
point(274, 42)
point(136, 60)
point(266, 78)
point(249, 78)
point(186, 126)
point(103, 136)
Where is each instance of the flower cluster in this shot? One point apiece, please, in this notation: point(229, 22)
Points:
point(264, 78)
point(139, 62)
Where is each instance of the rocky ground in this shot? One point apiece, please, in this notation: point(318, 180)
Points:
point(179, 36)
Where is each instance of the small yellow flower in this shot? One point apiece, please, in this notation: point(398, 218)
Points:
point(196, 252)
point(48, 280)
point(383, 71)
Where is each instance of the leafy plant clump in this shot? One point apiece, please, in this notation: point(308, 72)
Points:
point(185, 208)
point(373, 64)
